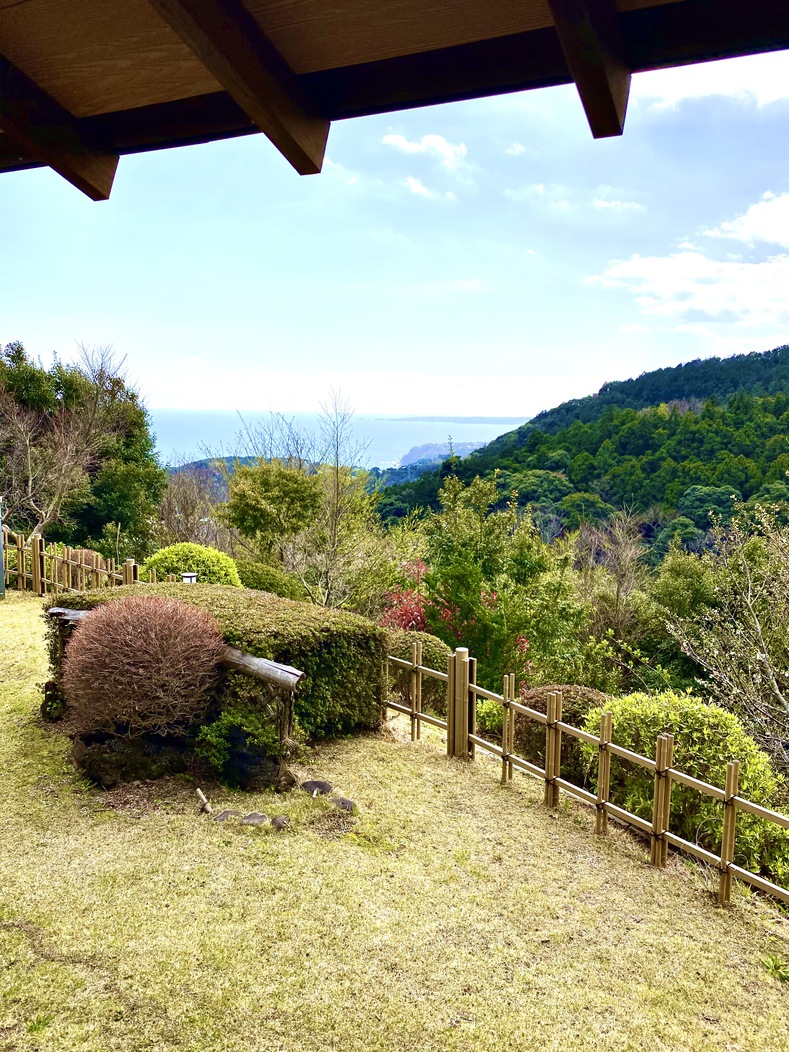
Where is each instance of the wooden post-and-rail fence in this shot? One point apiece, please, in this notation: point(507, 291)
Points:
point(30, 564)
point(462, 740)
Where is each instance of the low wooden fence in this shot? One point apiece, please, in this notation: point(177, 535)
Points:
point(30, 564)
point(460, 725)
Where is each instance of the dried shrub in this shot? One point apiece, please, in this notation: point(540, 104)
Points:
point(141, 665)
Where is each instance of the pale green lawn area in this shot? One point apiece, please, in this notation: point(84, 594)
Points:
point(455, 913)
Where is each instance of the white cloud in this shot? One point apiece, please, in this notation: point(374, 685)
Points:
point(617, 206)
point(692, 288)
point(416, 186)
point(767, 221)
point(515, 150)
point(525, 193)
point(758, 79)
point(451, 155)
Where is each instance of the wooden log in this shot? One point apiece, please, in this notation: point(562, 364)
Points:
point(284, 676)
point(729, 831)
point(205, 807)
point(603, 773)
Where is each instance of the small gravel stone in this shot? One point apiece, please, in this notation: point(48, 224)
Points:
point(344, 803)
point(224, 815)
point(317, 787)
point(255, 818)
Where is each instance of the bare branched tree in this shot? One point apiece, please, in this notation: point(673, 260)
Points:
point(48, 447)
point(742, 641)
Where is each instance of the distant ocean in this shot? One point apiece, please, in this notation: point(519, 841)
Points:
point(184, 434)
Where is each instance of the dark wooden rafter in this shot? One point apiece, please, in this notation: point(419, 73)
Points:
point(41, 130)
point(655, 38)
point(230, 43)
point(594, 50)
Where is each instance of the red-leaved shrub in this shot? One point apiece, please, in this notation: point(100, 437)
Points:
point(141, 665)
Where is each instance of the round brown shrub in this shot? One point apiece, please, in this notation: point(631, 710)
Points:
point(577, 702)
point(141, 665)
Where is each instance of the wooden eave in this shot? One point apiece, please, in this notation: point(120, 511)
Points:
point(141, 82)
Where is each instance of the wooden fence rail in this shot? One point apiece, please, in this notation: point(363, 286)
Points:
point(462, 741)
point(30, 564)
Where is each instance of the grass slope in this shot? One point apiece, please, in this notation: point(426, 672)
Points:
point(454, 914)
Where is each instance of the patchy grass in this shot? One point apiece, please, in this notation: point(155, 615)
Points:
point(451, 913)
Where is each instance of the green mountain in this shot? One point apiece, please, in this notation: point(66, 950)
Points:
point(642, 443)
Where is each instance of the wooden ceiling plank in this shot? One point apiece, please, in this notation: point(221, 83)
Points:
point(232, 46)
point(591, 40)
point(40, 128)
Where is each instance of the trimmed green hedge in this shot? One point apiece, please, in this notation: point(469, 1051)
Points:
point(210, 565)
point(264, 578)
point(434, 655)
point(342, 655)
point(706, 738)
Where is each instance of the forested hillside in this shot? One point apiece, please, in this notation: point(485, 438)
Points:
point(642, 444)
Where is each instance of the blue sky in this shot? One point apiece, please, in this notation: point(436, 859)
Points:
point(485, 257)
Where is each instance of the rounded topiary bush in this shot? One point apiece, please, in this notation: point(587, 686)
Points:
point(264, 578)
point(210, 565)
point(141, 665)
point(706, 738)
point(577, 703)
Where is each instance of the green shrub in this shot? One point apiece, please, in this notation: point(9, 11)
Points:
point(706, 738)
point(434, 655)
point(577, 703)
point(342, 655)
point(264, 578)
point(210, 565)
point(248, 735)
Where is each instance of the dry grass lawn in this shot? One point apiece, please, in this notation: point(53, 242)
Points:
point(454, 913)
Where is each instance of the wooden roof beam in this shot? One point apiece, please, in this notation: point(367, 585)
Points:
point(230, 43)
point(590, 37)
point(42, 129)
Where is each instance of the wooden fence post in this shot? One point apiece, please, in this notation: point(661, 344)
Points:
point(152, 578)
point(505, 727)
point(658, 803)
point(511, 733)
point(460, 716)
point(128, 571)
point(729, 830)
point(668, 757)
point(557, 747)
point(36, 560)
point(550, 751)
point(603, 773)
point(20, 563)
point(413, 685)
point(451, 669)
point(472, 706)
